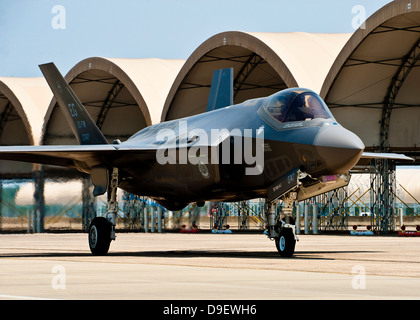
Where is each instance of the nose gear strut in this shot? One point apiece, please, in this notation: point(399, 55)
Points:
point(281, 228)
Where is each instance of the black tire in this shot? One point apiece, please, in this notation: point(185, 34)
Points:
point(285, 244)
point(99, 236)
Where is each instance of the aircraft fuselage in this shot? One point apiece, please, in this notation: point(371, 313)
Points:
point(200, 169)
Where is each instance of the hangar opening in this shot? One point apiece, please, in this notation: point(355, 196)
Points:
point(372, 90)
point(103, 88)
point(263, 64)
point(22, 105)
point(253, 77)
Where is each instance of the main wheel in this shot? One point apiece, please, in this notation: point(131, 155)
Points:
point(286, 243)
point(99, 236)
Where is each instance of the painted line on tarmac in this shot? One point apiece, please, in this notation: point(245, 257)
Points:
point(8, 296)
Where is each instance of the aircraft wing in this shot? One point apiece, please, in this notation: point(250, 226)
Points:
point(81, 157)
point(368, 156)
point(391, 156)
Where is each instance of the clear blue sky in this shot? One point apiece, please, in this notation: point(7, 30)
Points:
point(169, 29)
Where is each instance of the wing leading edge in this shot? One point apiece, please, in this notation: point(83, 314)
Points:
point(366, 158)
point(391, 156)
point(81, 157)
point(93, 159)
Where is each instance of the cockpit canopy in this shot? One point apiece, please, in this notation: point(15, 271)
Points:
point(296, 105)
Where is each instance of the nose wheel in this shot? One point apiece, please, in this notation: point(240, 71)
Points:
point(285, 244)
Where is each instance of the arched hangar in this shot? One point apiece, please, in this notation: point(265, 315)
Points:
point(23, 102)
point(373, 85)
point(122, 96)
point(263, 63)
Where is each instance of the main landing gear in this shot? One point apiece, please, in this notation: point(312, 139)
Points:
point(281, 228)
point(102, 229)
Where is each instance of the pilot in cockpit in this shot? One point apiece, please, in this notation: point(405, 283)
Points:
point(313, 107)
point(290, 106)
point(277, 108)
point(306, 107)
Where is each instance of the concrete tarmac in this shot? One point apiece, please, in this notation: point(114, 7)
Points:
point(207, 266)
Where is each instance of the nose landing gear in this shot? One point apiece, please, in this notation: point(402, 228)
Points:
point(282, 230)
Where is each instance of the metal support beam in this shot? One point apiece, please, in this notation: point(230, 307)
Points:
point(393, 62)
point(306, 218)
point(39, 206)
point(209, 58)
point(80, 80)
point(1, 203)
point(298, 217)
point(249, 64)
point(372, 105)
point(253, 61)
point(333, 209)
point(218, 216)
point(382, 195)
point(384, 29)
point(112, 95)
point(4, 116)
point(146, 219)
point(243, 215)
point(407, 64)
point(159, 217)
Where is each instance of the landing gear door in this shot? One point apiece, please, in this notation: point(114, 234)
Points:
point(324, 184)
point(100, 177)
point(283, 185)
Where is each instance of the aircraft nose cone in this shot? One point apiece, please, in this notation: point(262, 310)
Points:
point(339, 148)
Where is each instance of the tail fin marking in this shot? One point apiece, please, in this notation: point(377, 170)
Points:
point(81, 123)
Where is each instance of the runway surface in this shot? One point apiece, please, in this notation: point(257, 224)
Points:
point(209, 266)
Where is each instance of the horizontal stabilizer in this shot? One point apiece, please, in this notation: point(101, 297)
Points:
point(221, 91)
point(81, 123)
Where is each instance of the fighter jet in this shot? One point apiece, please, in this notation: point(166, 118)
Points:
point(285, 146)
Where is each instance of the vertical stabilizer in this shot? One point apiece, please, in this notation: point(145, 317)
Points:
point(81, 123)
point(221, 91)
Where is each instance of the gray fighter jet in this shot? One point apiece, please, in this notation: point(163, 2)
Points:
point(285, 146)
